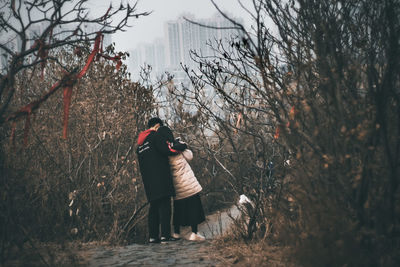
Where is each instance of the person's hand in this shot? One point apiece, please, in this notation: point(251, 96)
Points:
point(179, 145)
point(178, 140)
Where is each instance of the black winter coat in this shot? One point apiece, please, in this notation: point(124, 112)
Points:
point(153, 151)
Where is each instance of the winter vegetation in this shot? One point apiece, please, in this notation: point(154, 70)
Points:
point(301, 122)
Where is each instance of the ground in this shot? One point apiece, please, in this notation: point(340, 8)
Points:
point(218, 250)
point(215, 251)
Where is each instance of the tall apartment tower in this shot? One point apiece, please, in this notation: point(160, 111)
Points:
point(182, 36)
point(148, 54)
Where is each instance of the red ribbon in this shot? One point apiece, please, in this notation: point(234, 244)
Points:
point(105, 15)
point(95, 51)
point(68, 81)
point(116, 59)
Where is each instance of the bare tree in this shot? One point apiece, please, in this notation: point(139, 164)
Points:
point(84, 187)
point(319, 81)
point(47, 46)
point(32, 30)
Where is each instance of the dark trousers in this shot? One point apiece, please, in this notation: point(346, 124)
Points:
point(160, 213)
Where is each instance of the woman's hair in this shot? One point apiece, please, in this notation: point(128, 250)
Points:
point(166, 133)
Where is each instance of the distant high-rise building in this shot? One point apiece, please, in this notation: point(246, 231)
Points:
point(149, 54)
point(180, 37)
point(12, 44)
point(183, 36)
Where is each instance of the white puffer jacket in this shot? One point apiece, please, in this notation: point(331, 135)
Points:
point(185, 182)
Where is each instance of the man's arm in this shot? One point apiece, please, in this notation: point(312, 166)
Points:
point(163, 146)
point(178, 145)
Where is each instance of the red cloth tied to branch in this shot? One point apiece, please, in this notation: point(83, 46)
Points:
point(116, 58)
point(95, 51)
point(67, 95)
point(105, 15)
point(33, 105)
point(42, 54)
point(67, 82)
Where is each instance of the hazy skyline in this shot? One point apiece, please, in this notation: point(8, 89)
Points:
point(146, 29)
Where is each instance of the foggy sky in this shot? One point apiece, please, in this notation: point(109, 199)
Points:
point(146, 29)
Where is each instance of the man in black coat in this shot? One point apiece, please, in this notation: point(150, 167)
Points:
point(153, 151)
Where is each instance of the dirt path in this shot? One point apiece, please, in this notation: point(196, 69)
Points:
point(180, 253)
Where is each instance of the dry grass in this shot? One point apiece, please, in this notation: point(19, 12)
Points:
point(255, 253)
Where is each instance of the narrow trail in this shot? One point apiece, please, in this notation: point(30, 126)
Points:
point(179, 253)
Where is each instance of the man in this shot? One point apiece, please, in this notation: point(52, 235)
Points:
point(153, 151)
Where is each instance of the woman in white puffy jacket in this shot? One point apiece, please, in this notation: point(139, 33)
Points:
point(188, 210)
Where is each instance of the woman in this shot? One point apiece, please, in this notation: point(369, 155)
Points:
point(188, 210)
